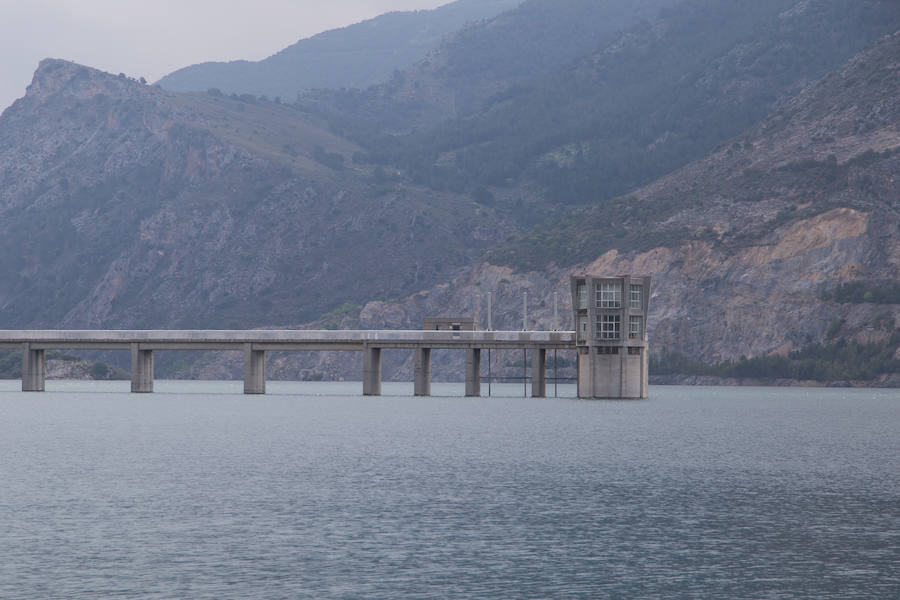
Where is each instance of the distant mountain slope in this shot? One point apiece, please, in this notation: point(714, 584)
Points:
point(484, 59)
point(123, 205)
point(356, 56)
point(658, 95)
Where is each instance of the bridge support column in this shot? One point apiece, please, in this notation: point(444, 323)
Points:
point(141, 370)
point(34, 369)
point(371, 371)
point(254, 370)
point(538, 372)
point(473, 372)
point(422, 379)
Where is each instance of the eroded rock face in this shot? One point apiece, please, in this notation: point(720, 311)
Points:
point(715, 305)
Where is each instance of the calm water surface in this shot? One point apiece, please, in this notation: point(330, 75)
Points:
point(313, 491)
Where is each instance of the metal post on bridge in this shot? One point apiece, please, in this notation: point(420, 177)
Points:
point(490, 376)
point(555, 311)
point(524, 311)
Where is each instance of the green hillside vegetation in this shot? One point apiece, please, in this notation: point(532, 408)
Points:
point(859, 292)
point(840, 361)
point(272, 130)
point(11, 366)
point(356, 56)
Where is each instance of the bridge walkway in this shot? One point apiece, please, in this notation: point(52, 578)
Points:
point(255, 343)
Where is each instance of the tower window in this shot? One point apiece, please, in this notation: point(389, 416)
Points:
point(582, 329)
point(635, 327)
point(608, 327)
point(637, 296)
point(582, 294)
point(609, 295)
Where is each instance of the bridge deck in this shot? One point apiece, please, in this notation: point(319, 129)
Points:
point(255, 343)
point(283, 339)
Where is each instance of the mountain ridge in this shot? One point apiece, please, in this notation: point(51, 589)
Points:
point(358, 55)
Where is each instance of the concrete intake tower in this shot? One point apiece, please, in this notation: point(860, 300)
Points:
point(610, 335)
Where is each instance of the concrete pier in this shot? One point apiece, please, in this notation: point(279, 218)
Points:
point(538, 373)
point(33, 369)
point(254, 370)
point(371, 371)
point(422, 372)
point(473, 372)
point(141, 370)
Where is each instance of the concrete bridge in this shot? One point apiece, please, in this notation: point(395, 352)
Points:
point(255, 343)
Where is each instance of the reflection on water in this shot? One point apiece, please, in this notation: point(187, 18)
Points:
point(313, 491)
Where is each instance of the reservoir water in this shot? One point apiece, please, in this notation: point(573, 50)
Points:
point(313, 491)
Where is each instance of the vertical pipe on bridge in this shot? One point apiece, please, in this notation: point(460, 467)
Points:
point(34, 370)
point(371, 371)
point(422, 372)
point(254, 370)
point(141, 370)
point(473, 372)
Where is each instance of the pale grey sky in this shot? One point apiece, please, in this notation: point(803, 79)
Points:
point(150, 38)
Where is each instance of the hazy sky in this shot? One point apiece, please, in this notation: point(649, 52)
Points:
point(151, 38)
